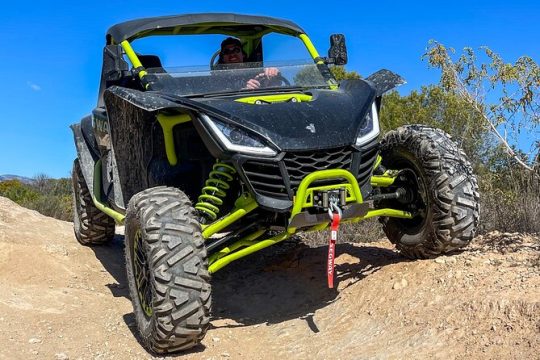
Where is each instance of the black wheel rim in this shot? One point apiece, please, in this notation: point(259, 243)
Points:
point(419, 200)
point(141, 272)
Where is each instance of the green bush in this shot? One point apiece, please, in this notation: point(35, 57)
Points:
point(50, 197)
point(20, 193)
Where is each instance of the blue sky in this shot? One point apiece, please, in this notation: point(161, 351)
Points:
point(50, 54)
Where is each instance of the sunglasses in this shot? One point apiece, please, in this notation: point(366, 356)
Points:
point(230, 51)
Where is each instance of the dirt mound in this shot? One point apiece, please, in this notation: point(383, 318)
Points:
point(61, 300)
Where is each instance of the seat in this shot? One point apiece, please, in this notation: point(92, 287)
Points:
point(152, 63)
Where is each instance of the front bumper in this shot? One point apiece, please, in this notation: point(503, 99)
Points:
point(274, 182)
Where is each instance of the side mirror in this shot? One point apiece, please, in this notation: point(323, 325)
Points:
point(337, 54)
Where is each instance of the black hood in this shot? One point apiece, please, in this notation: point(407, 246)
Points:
point(331, 119)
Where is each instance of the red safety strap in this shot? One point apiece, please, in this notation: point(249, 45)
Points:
point(332, 249)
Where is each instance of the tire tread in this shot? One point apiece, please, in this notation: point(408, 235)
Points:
point(450, 179)
point(91, 225)
point(174, 242)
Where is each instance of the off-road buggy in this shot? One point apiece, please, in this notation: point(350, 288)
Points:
point(203, 172)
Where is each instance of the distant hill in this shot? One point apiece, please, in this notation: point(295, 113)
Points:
point(22, 179)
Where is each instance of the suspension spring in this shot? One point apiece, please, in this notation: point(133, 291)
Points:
point(215, 190)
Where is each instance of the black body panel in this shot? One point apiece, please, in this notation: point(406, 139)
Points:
point(139, 150)
point(385, 80)
point(87, 131)
point(335, 115)
point(87, 157)
point(330, 120)
point(149, 101)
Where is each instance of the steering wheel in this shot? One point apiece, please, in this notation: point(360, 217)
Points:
point(277, 80)
point(213, 60)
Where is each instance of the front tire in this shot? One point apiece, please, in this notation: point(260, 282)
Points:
point(167, 270)
point(441, 189)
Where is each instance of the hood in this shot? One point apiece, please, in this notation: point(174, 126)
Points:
point(332, 118)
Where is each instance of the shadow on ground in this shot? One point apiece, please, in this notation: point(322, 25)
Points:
point(111, 256)
point(284, 285)
point(284, 282)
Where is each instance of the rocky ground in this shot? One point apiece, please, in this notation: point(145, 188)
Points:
point(64, 301)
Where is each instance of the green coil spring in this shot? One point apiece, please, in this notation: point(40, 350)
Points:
point(214, 190)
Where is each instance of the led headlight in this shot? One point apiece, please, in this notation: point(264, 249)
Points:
point(236, 139)
point(370, 130)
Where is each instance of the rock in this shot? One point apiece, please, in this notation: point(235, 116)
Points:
point(61, 356)
point(225, 354)
point(215, 339)
point(400, 284)
point(440, 261)
point(34, 341)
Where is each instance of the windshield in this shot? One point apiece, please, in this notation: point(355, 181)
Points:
point(198, 80)
point(230, 64)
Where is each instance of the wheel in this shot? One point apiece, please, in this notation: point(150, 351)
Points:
point(438, 185)
point(91, 226)
point(167, 270)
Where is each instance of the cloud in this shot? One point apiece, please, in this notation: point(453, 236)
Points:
point(33, 86)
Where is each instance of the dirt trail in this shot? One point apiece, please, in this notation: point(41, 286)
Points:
point(64, 301)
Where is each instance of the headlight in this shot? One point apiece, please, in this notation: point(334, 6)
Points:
point(370, 130)
point(236, 139)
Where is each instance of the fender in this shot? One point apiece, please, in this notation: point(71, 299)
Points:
point(385, 80)
point(147, 101)
point(87, 158)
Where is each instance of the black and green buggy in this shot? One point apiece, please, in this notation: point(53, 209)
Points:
point(203, 172)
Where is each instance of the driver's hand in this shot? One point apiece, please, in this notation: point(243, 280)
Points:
point(253, 84)
point(271, 72)
point(268, 74)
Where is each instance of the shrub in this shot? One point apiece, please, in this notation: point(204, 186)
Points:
point(50, 197)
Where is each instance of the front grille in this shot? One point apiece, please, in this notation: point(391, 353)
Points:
point(280, 179)
point(300, 164)
point(368, 155)
point(266, 178)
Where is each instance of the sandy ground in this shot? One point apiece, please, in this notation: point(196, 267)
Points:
point(61, 300)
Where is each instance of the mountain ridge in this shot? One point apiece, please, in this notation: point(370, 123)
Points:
point(22, 179)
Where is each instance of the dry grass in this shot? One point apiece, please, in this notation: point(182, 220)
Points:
point(513, 206)
point(362, 232)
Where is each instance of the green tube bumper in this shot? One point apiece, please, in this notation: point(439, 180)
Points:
point(303, 200)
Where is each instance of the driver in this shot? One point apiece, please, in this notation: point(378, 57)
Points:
point(231, 53)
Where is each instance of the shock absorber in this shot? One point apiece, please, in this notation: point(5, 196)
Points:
point(215, 190)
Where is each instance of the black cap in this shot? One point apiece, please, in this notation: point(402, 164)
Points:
point(231, 41)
